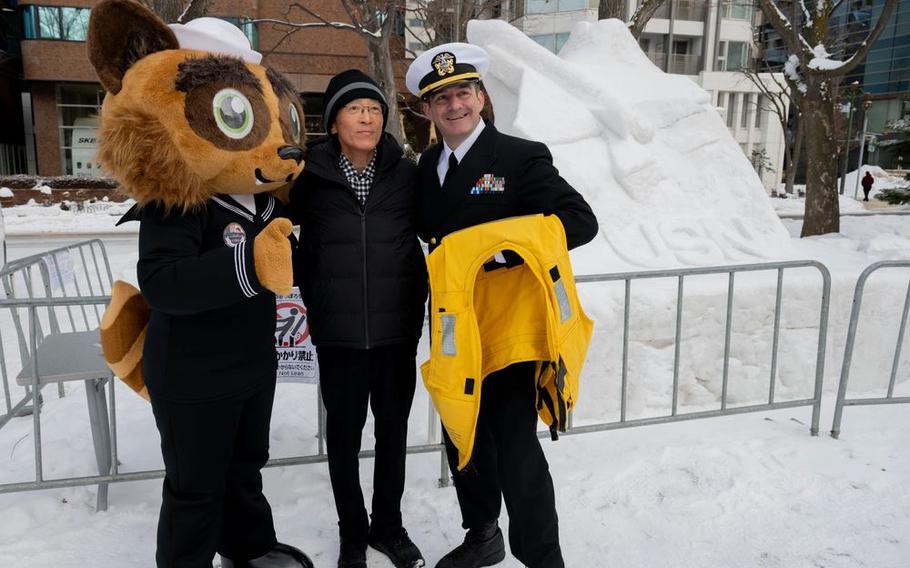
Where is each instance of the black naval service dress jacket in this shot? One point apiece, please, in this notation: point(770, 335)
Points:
point(530, 184)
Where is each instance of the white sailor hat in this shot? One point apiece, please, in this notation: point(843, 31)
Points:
point(446, 64)
point(216, 36)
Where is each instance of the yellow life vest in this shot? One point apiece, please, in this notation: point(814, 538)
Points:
point(485, 318)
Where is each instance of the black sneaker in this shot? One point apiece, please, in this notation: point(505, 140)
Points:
point(400, 549)
point(481, 547)
point(353, 554)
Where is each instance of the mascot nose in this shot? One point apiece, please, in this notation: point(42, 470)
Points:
point(291, 153)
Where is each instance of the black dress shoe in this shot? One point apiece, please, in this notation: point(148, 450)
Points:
point(481, 547)
point(281, 556)
point(400, 549)
point(353, 554)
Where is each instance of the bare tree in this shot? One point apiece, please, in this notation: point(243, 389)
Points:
point(638, 20)
point(778, 96)
point(444, 21)
point(177, 11)
point(611, 9)
point(373, 21)
point(816, 77)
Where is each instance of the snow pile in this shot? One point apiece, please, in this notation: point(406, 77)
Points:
point(883, 180)
point(647, 149)
point(822, 60)
point(97, 217)
point(6, 192)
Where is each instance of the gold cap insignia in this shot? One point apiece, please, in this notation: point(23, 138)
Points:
point(444, 63)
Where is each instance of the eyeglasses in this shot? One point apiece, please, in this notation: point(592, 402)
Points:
point(355, 109)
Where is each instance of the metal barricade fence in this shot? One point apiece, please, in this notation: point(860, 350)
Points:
point(73, 271)
point(57, 338)
point(731, 271)
point(889, 398)
point(114, 475)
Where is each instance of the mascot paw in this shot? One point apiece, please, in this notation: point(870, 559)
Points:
point(272, 257)
point(123, 335)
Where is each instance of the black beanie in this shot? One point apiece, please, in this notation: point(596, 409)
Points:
point(348, 86)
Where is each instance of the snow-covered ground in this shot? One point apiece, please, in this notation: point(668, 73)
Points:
point(794, 205)
point(751, 490)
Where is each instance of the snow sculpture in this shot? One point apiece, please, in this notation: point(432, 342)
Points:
point(647, 149)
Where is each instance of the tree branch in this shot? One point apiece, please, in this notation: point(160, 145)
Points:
point(642, 15)
point(796, 43)
point(321, 24)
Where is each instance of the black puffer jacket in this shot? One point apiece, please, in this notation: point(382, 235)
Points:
point(360, 269)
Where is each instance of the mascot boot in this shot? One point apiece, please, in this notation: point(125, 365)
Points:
point(282, 556)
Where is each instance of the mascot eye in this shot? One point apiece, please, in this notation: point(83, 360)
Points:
point(233, 113)
point(295, 123)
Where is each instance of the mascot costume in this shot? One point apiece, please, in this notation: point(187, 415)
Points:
point(200, 134)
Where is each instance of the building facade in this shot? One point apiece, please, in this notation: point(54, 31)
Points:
point(884, 78)
point(59, 97)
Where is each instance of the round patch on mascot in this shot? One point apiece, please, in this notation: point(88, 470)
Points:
point(234, 235)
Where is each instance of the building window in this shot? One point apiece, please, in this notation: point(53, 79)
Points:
point(551, 6)
point(744, 114)
point(737, 10)
point(732, 55)
point(552, 42)
point(247, 26)
point(731, 108)
point(721, 99)
point(78, 108)
point(312, 115)
point(759, 110)
point(55, 22)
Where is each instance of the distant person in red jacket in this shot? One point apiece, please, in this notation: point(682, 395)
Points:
point(867, 182)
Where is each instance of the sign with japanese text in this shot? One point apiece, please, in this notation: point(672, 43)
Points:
point(296, 355)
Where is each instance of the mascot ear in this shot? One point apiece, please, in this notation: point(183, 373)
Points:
point(120, 33)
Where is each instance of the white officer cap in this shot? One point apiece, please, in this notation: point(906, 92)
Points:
point(446, 64)
point(215, 36)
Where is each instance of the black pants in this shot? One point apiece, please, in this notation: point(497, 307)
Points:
point(866, 193)
point(508, 463)
point(212, 497)
point(350, 379)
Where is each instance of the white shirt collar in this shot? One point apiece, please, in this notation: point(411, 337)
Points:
point(247, 200)
point(443, 166)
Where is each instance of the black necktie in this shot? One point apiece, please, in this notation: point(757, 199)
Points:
point(453, 165)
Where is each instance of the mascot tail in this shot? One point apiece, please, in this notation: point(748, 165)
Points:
point(123, 335)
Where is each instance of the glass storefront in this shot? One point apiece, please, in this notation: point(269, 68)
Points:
point(78, 108)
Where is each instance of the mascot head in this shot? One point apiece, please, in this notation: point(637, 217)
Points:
point(189, 111)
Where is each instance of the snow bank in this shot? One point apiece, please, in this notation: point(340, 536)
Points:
point(98, 217)
point(647, 149)
point(883, 180)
